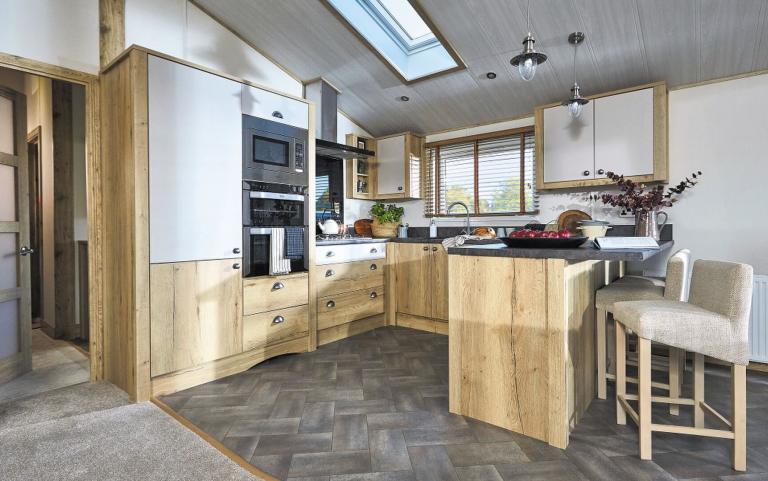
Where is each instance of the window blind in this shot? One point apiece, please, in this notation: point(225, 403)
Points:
point(491, 175)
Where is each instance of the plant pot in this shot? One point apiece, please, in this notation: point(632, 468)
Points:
point(388, 229)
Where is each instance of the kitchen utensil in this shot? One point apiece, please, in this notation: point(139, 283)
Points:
point(594, 231)
point(569, 220)
point(543, 242)
point(329, 227)
point(363, 227)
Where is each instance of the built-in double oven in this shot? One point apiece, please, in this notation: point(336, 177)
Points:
point(275, 198)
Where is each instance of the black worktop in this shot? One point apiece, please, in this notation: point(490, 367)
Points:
point(586, 252)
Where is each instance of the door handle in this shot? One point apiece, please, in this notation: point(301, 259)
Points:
point(426, 248)
point(277, 286)
point(277, 114)
point(585, 173)
point(330, 273)
point(434, 249)
point(278, 320)
point(601, 171)
point(25, 251)
point(236, 250)
point(330, 304)
point(235, 266)
point(373, 295)
point(374, 267)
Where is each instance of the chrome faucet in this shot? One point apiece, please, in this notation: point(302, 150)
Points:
point(468, 229)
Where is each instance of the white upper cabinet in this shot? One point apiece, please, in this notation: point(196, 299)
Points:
point(269, 105)
point(569, 144)
point(624, 133)
point(195, 164)
point(390, 159)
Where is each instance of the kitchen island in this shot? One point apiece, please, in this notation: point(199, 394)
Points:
point(522, 334)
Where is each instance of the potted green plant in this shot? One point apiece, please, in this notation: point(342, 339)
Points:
point(386, 218)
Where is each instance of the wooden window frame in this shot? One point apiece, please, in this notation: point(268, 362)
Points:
point(475, 139)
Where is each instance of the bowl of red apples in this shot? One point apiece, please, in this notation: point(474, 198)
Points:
point(538, 239)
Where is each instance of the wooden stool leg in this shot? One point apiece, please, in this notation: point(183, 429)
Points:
point(698, 390)
point(621, 371)
point(674, 379)
point(600, 319)
point(739, 421)
point(644, 396)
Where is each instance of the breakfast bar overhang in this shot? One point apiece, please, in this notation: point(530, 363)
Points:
point(522, 333)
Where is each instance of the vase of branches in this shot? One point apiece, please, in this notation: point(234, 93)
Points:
point(647, 205)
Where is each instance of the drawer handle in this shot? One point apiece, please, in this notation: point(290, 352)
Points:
point(330, 254)
point(426, 248)
point(585, 173)
point(374, 267)
point(278, 320)
point(374, 250)
point(434, 249)
point(373, 295)
point(329, 273)
point(277, 114)
point(235, 266)
point(330, 304)
point(277, 286)
point(236, 250)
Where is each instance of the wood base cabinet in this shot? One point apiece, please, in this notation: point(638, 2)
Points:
point(421, 277)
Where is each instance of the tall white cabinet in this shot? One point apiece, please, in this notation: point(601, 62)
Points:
point(195, 164)
point(623, 132)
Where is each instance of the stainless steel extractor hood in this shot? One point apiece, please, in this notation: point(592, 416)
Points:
point(325, 97)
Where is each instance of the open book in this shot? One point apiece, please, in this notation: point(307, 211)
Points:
point(626, 243)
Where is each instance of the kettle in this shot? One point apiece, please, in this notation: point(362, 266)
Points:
point(329, 227)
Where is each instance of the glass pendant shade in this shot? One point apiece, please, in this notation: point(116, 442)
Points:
point(574, 108)
point(527, 68)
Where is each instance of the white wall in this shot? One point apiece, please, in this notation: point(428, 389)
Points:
point(64, 33)
point(178, 28)
point(720, 129)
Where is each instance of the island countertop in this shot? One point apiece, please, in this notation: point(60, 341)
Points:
point(583, 253)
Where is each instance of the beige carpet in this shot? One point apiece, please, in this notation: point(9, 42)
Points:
point(127, 442)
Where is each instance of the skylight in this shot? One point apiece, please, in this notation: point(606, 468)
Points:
point(399, 34)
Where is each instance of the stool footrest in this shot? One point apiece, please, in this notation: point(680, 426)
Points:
point(710, 433)
point(663, 399)
point(633, 380)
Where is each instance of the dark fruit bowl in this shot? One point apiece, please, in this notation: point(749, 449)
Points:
point(543, 242)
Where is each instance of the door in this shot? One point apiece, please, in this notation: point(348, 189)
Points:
point(439, 281)
point(195, 164)
point(624, 134)
point(15, 297)
point(413, 270)
point(569, 145)
point(390, 171)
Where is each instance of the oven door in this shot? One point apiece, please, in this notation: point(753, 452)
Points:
point(273, 209)
point(257, 242)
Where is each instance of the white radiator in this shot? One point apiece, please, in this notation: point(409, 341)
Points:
point(758, 322)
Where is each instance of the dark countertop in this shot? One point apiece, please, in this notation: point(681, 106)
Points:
point(439, 240)
point(584, 253)
point(352, 240)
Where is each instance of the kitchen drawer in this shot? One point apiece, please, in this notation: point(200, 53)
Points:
point(334, 254)
point(261, 294)
point(334, 279)
point(268, 105)
point(269, 328)
point(350, 306)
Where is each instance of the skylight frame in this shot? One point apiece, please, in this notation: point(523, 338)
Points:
point(397, 27)
point(400, 40)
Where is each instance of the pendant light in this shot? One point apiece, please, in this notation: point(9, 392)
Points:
point(576, 102)
point(527, 61)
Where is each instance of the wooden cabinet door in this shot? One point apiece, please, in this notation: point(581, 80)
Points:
point(569, 145)
point(439, 282)
point(390, 168)
point(412, 271)
point(195, 313)
point(195, 164)
point(624, 134)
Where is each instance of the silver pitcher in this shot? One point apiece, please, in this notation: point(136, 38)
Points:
point(647, 224)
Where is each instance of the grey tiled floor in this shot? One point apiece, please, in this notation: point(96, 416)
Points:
point(374, 407)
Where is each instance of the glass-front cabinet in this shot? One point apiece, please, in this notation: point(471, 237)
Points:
point(361, 172)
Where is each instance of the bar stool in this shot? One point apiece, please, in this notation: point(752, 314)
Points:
point(637, 288)
point(714, 322)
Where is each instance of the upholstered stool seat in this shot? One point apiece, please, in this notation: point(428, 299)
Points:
point(606, 297)
point(714, 322)
point(642, 280)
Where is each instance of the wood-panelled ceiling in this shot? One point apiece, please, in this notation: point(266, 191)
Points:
point(629, 42)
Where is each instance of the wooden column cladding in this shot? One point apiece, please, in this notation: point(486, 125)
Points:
point(111, 30)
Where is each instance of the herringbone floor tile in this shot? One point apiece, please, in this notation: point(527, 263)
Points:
point(374, 407)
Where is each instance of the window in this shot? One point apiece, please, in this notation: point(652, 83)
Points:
point(492, 175)
point(400, 35)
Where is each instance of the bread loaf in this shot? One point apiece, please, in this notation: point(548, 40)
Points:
point(486, 232)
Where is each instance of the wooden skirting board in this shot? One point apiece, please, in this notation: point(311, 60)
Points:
point(350, 329)
point(422, 323)
point(177, 381)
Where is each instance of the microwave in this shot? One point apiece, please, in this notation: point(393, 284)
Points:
point(274, 152)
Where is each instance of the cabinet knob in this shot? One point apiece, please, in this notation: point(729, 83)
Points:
point(236, 250)
point(585, 173)
point(277, 114)
point(277, 286)
point(374, 267)
point(400, 187)
point(236, 266)
point(330, 304)
point(278, 320)
point(329, 273)
point(330, 254)
point(434, 249)
point(374, 250)
point(601, 171)
point(426, 248)
point(373, 295)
